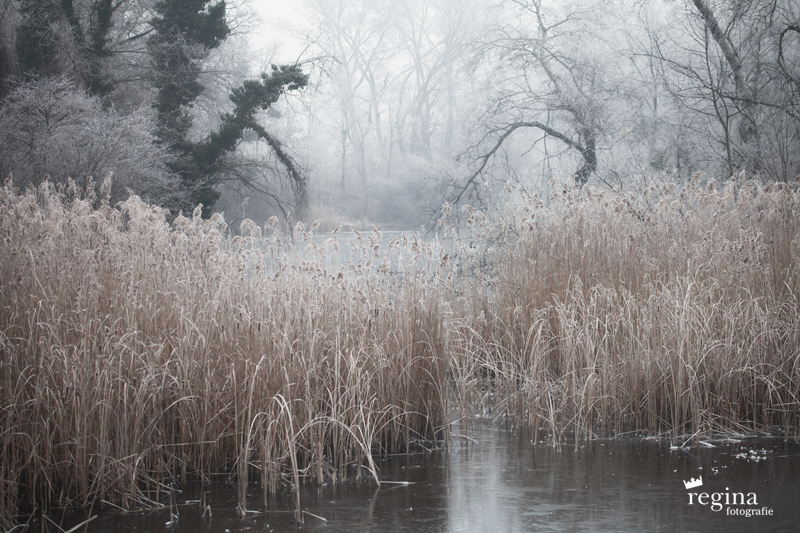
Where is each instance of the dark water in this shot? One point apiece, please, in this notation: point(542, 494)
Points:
point(502, 482)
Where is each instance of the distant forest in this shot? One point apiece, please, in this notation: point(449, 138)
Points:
point(394, 108)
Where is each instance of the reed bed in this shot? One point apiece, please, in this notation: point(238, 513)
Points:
point(672, 311)
point(135, 354)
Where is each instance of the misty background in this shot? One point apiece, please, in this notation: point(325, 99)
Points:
point(380, 112)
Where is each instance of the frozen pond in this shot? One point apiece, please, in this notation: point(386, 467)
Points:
point(502, 482)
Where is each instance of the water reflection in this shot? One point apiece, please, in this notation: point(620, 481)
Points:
point(502, 482)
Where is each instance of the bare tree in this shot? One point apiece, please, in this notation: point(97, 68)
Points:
point(435, 40)
point(549, 82)
point(395, 75)
point(51, 127)
point(725, 63)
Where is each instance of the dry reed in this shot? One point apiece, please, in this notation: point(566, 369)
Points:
point(666, 312)
point(134, 354)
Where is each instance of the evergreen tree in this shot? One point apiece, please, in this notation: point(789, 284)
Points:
point(248, 99)
point(185, 32)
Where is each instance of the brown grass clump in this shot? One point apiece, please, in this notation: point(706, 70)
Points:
point(134, 354)
point(665, 312)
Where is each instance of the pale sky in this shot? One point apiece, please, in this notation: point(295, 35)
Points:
point(277, 16)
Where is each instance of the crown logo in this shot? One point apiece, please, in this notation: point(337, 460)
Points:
point(692, 483)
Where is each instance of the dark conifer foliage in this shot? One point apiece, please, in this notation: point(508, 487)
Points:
point(185, 32)
point(252, 96)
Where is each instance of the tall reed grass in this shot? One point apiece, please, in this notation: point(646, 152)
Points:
point(135, 353)
point(672, 311)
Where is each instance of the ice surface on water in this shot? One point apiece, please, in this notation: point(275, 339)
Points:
point(498, 481)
